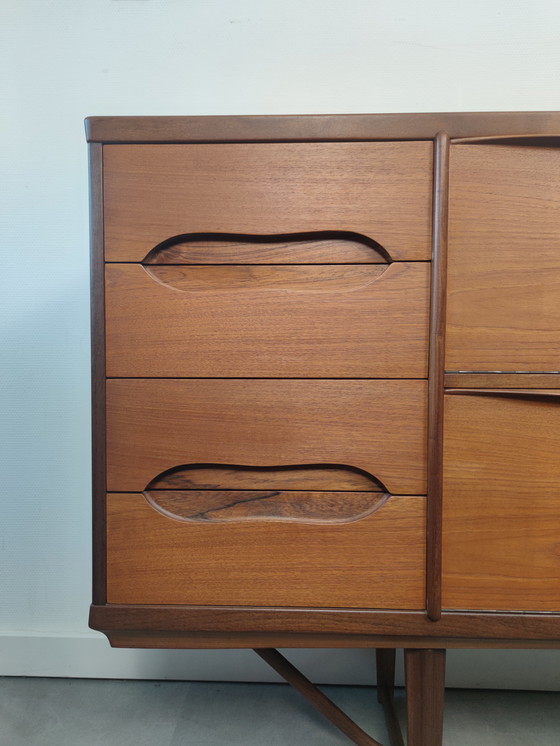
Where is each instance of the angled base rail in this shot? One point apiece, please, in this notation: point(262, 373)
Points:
point(425, 686)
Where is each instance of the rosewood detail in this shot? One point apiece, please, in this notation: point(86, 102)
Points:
point(263, 497)
point(217, 506)
point(229, 477)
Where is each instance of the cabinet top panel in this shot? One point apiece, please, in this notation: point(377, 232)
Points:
point(117, 129)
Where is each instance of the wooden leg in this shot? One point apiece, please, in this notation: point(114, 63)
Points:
point(385, 663)
point(385, 660)
point(425, 690)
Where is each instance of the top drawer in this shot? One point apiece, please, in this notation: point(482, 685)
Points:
point(381, 190)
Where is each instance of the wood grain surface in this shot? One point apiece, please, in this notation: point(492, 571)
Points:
point(98, 442)
point(244, 321)
point(315, 696)
point(503, 310)
point(380, 190)
point(375, 425)
point(503, 380)
point(375, 562)
point(303, 627)
point(311, 248)
point(311, 127)
point(219, 506)
point(230, 477)
point(529, 394)
point(501, 545)
point(425, 696)
point(436, 373)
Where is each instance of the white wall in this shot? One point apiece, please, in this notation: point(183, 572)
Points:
point(63, 60)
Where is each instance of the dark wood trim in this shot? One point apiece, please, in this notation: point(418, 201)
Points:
point(509, 393)
point(324, 127)
point(99, 480)
point(425, 694)
point(191, 641)
point(312, 694)
point(357, 627)
point(385, 669)
point(385, 665)
point(502, 380)
point(528, 140)
point(436, 375)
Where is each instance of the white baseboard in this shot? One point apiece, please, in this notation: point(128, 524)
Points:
point(90, 656)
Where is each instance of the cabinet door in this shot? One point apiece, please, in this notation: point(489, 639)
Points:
point(503, 306)
point(501, 535)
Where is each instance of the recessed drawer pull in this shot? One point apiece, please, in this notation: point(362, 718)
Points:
point(311, 477)
point(378, 426)
point(295, 493)
point(319, 247)
point(220, 506)
point(375, 562)
point(154, 193)
point(248, 278)
point(510, 393)
point(529, 140)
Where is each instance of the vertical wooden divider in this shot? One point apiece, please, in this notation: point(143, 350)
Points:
point(436, 375)
point(99, 454)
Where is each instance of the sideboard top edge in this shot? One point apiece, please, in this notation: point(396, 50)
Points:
point(317, 127)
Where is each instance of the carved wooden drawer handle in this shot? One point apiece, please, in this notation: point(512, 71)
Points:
point(218, 493)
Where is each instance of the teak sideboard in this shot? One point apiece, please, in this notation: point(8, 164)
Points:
point(326, 388)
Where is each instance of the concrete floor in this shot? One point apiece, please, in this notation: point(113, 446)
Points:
point(95, 712)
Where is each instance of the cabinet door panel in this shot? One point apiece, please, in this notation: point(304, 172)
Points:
point(503, 306)
point(380, 190)
point(501, 519)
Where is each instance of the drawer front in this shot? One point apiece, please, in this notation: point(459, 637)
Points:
point(501, 520)
point(374, 562)
point(503, 306)
point(272, 321)
point(375, 425)
point(380, 190)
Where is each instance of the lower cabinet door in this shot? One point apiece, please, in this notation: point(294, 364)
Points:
point(501, 514)
point(375, 561)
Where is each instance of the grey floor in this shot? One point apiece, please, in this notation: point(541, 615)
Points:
point(80, 712)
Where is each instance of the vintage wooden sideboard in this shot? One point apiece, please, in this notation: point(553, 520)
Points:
point(326, 388)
